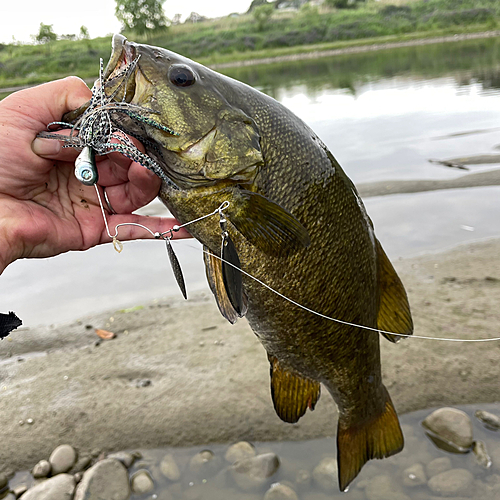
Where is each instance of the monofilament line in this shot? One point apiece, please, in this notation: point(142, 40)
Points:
point(347, 323)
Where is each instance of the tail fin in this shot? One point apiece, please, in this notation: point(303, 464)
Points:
point(378, 437)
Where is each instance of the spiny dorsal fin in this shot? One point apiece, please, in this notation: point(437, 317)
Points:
point(394, 310)
point(213, 267)
point(292, 394)
point(378, 437)
point(265, 224)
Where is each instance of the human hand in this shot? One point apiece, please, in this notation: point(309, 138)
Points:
point(44, 209)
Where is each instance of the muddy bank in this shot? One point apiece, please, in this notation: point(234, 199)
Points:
point(178, 374)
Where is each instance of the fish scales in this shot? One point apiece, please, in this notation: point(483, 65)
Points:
point(298, 225)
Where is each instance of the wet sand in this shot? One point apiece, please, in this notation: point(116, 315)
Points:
point(178, 374)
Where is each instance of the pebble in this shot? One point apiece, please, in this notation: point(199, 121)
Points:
point(303, 478)
point(19, 490)
point(325, 474)
point(239, 451)
point(384, 488)
point(41, 469)
point(414, 475)
point(481, 454)
point(62, 459)
point(279, 491)
point(142, 482)
point(60, 487)
point(490, 420)
point(10, 496)
point(127, 459)
point(438, 465)
point(106, 479)
point(4, 481)
point(452, 426)
point(81, 464)
point(204, 463)
point(454, 481)
point(169, 468)
point(253, 472)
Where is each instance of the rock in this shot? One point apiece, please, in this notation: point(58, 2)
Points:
point(438, 465)
point(204, 463)
point(19, 490)
point(82, 464)
point(303, 478)
point(142, 482)
point(239, 451)
point(383, 488)
point(481, 454)
point(169, 468)
point(253, 472)
point(127, 459)
point(4, 481)
point(106, 479)
point(489, 420)
point(451, 427)
point(454, 481)
point(279, 491)
point(60, 487)
point(325, 474)
point(62, 459)
point(10, 496)
point(41, 469)
point(414, 475)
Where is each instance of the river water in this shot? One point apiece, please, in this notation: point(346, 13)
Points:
point(383, 115)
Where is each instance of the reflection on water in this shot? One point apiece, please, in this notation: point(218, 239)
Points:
point(382, 114)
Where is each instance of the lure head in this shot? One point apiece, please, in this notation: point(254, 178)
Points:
point(85, 167)
point(198, 136)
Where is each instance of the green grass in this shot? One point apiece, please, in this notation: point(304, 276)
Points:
point(234, 39)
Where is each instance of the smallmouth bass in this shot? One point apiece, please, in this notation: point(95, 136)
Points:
point(298, 225)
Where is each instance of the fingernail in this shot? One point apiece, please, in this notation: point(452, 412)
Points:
point(46, 147)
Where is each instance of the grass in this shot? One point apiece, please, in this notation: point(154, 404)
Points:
point(228, 40)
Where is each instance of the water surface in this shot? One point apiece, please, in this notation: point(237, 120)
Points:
point(383, 115)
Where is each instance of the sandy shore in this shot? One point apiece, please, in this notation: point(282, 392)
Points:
point(178, 374)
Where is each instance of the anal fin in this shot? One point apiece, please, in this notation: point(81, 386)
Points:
point(394, 310)
point(213, 267)
point(378, 437)
point(292, 394)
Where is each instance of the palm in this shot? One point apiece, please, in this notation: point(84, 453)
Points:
point(44, 210)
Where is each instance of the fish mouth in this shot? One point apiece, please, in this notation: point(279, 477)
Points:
point(120, 72)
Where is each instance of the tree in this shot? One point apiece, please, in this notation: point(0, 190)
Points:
point(262, 14)
point(84, 33)
point(255, 4)
point(45, 34)
point(141, 16)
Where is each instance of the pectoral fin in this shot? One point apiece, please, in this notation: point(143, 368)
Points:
point(291, 393)
point(265, 224)
point(394, 310)
point(213, 267)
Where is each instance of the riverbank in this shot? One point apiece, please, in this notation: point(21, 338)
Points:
point(178, 374)
point(310, 52)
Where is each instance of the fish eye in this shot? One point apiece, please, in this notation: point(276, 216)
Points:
point(181, 76)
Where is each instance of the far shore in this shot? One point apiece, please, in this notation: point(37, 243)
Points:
point(308, 52)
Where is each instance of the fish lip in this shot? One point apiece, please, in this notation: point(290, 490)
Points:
point(123, 52)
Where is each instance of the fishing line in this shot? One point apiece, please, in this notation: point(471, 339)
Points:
point(96, 128)
point(279, 294)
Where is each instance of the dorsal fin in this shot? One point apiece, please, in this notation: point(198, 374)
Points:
point(292, 394)
point(394, 310)
point(213, 267)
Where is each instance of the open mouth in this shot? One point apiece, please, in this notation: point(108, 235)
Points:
point(119, 75)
